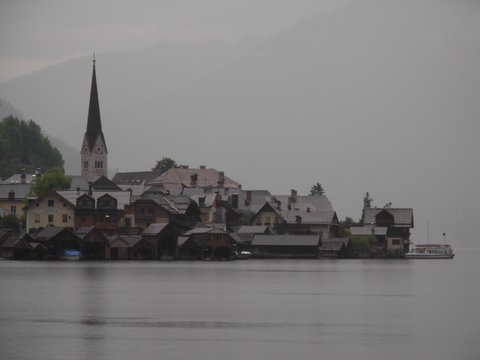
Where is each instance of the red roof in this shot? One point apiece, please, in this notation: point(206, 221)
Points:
point(196, 178)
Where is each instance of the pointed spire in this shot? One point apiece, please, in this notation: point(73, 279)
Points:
point(94, 123)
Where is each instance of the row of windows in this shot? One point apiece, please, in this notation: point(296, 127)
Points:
point(98, 164)
point(51, 218)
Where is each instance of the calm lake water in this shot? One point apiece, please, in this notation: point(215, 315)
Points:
point(315, 309)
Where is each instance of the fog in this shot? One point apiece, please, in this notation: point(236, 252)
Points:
point(377, 96)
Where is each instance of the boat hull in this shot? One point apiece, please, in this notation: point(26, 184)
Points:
point(429, 256)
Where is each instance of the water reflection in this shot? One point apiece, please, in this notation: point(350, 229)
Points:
point(93, 308)
point(243, 310)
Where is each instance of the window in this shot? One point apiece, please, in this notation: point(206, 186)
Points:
point(396, 242)
point(51, 203)
point(13, 209)
point(98, 164)
point(37, 218)
point(85, 165)
point(64, 218)
point(50, 218)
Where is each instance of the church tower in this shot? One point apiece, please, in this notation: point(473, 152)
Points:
point(94, 148)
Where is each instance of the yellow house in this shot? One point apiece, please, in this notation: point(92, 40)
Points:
point(12, 198)
point(49, 209)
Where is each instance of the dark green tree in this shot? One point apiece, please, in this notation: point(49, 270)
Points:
point(316, 189)
point(367, 201)
point(10, 221)
point(52, 179)
point(164, 164)
point(23, 146)
point(367, 204)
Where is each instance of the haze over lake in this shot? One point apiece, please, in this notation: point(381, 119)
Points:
point(255, 309)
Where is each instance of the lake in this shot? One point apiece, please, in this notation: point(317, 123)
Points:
point(253, 309)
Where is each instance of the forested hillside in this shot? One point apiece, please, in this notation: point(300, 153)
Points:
point(22, 146)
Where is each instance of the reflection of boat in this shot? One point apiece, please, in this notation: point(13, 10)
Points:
point(430, 251)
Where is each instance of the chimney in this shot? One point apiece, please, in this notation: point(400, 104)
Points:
point(248, 198)
point(293, 195)
point(203, 167)
point(23, 177)
point(193, 180)
point(221, 179)
point(235, 201)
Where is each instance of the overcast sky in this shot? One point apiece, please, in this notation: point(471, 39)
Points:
point(360, 95)
point(36, 34)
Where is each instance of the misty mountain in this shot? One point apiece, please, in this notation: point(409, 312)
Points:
point(380, 96)
point(7, 109)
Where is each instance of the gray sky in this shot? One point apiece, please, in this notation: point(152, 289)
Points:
point(36, 34)
point(359, 95)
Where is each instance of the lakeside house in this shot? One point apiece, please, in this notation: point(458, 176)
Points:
point(183, 213)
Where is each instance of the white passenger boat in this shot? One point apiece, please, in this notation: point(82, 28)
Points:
point(430, 251)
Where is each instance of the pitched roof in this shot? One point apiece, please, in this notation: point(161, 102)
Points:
point(122, 197)
point(82, 232)
point(368, 230)
point(49, 232)
point(204, 178)
point(333, 244)
point(20, 190)
point(401, 216)
point(134, 177)
point(285, 240)
point(94, 122)
point(204, 230)
point(17, 179)
point(12, 241)
point(154, 229)
point(252, 229)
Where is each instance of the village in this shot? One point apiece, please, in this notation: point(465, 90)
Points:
point(183, 213)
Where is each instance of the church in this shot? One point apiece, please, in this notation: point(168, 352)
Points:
point(94, 153)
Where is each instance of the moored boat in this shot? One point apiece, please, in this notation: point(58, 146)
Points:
point(430, 251)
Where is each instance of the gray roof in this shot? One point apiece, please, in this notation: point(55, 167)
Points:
point(122, 197)
point(84, 231)
point(285, 240)
point(20, 190)
point(78, 182)
point(252, 229)
point(134, 177)
point(204, 230)
point(333, 244)
point(401, 216)
point(131, 240)
point(11, 241)
point(154, 229)
point(367, 230)
point(311, 209)
point(17, 179)
point(48, 232)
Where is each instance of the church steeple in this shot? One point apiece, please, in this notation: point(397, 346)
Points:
point(94, 148)
point(94, 122)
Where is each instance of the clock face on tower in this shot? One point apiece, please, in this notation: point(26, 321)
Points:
point(85, 150)
point(98, 149)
